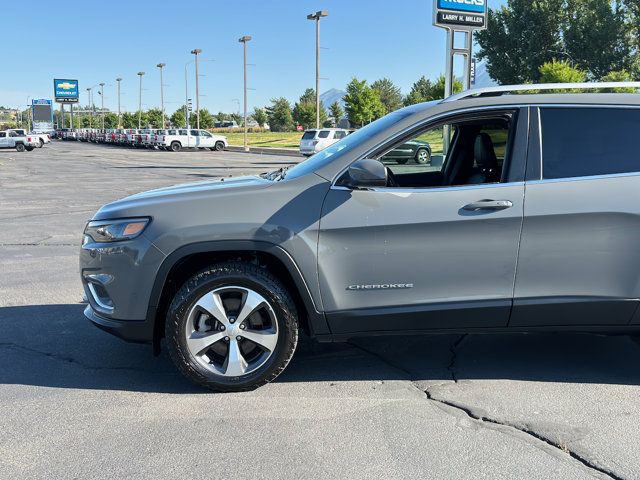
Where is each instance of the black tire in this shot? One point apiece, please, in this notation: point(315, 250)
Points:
point(213, 149)
point(402, 161)
point(423, 156)
point(20, 147)
point(219, 146)
point(175, 146)
point(237, 274)
point(40, 143)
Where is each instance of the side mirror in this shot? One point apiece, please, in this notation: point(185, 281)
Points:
point(366, 173)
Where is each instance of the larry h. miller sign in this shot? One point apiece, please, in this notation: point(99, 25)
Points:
point(460, 14)
point(65, 91)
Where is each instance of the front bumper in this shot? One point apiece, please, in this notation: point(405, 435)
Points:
point(118, 278)
point(138, 331)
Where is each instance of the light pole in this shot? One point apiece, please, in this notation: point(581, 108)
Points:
point(244, 41)
point(102, 102)
point(90, 111)
point(140, 74)
point(28, 115)
point(196, 52)
point(118, 80)
point(161, 66)
point(317, 16)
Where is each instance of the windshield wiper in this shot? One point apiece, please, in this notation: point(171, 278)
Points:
point(278, 174)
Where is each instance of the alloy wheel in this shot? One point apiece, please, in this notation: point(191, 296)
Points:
point(231, 331)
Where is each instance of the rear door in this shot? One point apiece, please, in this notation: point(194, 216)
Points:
point(3, 140)
point(579, 260)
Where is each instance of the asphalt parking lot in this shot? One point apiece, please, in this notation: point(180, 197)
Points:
point(76, 402)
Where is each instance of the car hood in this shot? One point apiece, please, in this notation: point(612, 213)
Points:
point(144, 203)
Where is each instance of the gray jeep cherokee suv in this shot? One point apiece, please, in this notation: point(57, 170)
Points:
point(526, 219)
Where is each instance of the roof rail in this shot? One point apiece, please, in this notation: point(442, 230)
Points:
point(505, 89)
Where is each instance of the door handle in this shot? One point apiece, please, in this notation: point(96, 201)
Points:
point(488, 205)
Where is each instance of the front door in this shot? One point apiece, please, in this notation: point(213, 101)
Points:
point(437, 247)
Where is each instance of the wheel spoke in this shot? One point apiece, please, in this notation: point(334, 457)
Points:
point(252, 301)
point(198, 342)
point(235, 364)
point(212, 303)
point(265, 338)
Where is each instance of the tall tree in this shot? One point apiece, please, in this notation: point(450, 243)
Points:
point(520, 37)
point(260, 116)
point(419, 92)
point(154, 117)
point(177, 117)
point(390, 95)
point(436, 91)
point(362, 103)
point(595, 37)
point(279, 115)
point(206, 119)
point(336, 111)
point(129, 120)
point(304, 111)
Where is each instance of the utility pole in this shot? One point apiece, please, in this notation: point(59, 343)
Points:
point(161, 66)
point(244, 41)
point(119, 80)
point(317, 16)
point(28, 114)
point(196, 52)
point(90, 110)
point(140, 74)
point(102, 102)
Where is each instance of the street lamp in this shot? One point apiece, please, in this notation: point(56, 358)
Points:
point(118, 80)
point(90, 111)
point(317, 16)
point(161, 66)
point(140, 74)
point(102, 102)
point(196, 52)
point(28, 115)
point(244, 41)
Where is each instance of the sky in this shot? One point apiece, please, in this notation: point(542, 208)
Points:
point(97, 42)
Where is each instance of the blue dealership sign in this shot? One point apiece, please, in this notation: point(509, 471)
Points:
point(472, 6)
point(465, 15)
point(65, 91)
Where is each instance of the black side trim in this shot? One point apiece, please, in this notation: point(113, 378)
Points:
point(433, 316)
point(317, 321)
point(567, 311)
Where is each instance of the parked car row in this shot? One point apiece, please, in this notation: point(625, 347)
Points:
point(173, 139)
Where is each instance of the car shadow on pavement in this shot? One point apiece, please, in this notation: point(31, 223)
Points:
point(55, 346)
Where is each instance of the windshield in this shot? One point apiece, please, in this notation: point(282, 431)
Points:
point(357, 138)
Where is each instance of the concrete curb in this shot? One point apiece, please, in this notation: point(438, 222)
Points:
point(266, 150)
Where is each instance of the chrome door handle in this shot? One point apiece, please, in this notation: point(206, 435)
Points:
point(488, 205)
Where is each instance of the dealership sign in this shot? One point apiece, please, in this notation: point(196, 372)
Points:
point(460, 14)
point(66, 91)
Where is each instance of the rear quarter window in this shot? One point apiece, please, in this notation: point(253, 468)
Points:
point(583, 142)
point(309, 135)
point(324, 134)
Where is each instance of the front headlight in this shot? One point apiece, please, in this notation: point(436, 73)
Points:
point(115, 230)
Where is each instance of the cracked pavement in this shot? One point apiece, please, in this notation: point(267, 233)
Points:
point(76, 402)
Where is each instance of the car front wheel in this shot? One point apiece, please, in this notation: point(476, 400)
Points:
point(423, 156)
point(219, 146)
point(232, 327)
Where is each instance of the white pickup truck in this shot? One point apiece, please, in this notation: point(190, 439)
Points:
point(41, 138)
point(179, 138)
point(13, 139)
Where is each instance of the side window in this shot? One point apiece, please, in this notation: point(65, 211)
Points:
point(324, 134)
point(182, 132)
point(340, 134)
point(3, 134)
point(204, 133)
point(195, 133)
point(582, 142)
point(468, 152)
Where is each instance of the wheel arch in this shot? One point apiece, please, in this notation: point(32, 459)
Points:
point(189, 259)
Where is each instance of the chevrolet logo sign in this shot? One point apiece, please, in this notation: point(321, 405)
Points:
point(66, 86)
